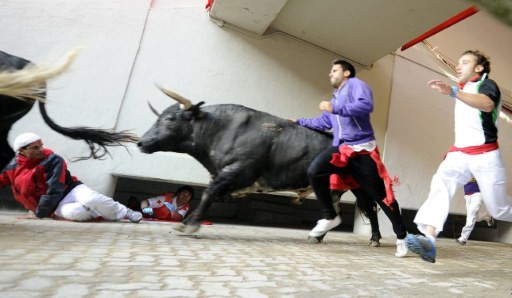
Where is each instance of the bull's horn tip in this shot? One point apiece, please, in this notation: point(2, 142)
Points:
point(159, 86)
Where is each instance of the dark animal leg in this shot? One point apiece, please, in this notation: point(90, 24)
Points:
point(11, 110)
point(226, 182)
point(192, 222)
point(6, 152)
point(369, 209)
point(364, 170)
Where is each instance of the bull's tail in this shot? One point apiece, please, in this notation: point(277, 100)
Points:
point(97, 139)
point(29, 82)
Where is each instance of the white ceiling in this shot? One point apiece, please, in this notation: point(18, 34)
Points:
point(362, 31)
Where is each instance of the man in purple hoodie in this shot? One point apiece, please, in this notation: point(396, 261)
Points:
point(354, 151)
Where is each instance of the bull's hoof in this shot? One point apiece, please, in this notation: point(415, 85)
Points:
point(186, 229)
point(178, 227)
point(315, 240)
point(297, 201)
point(374, 243)
point(375, 240)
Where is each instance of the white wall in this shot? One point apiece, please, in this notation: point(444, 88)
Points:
point(92, 91)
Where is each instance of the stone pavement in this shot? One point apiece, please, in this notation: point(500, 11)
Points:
point(48, 258)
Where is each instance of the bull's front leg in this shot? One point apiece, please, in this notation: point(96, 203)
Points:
point(231, 178)
point(192, 222)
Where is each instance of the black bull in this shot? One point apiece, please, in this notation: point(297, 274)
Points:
point(12, 109)
point(244, 150)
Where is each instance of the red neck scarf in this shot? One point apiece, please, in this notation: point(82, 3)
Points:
point(473, 79)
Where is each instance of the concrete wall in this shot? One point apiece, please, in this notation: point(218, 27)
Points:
point(91, 93)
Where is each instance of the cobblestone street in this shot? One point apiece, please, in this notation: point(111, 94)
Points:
point(48, 258)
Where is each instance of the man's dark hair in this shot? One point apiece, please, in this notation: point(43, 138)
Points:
point(481, 59)
point(345, 65)
point(186, 188)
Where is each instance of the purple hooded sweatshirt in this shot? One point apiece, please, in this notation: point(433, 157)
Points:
point(471, 187)
point(350, 118)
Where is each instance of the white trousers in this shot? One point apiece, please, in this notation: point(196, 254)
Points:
point(475, 212)
point(83, 203)
point(455, 171)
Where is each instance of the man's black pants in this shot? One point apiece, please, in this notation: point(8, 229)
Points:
point(364, 170)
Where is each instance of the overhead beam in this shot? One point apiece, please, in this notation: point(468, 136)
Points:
point(451, 21)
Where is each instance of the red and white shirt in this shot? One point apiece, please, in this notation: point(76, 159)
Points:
point(160, 211)
point(472, 126)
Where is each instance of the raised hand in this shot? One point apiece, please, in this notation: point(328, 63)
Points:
point(440, 86)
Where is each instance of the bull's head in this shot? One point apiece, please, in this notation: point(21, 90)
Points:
point(173, 129)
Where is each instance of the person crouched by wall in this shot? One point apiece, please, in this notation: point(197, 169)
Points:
point(169, 206)
point(41, 182)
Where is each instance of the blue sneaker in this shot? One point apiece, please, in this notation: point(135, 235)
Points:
point(422, 246)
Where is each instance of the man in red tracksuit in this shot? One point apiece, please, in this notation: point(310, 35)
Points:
point(169, 206)
point(41, 182)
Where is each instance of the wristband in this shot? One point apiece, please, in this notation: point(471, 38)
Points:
point(454, 91)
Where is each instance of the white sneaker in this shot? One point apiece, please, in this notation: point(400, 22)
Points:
point(401, 248)
point(133, 216)
point(324, 225)
point(460, 241)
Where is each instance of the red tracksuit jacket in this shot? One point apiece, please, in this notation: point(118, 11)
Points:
point(38, 184)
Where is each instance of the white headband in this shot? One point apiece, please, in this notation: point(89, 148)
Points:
point(24, 139)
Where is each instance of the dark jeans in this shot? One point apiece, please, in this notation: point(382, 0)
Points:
point(364, 170)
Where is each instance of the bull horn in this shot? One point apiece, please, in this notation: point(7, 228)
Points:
point(153, 109)
point(185, 103)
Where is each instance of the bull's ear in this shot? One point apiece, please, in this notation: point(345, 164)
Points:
point(196, 110)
